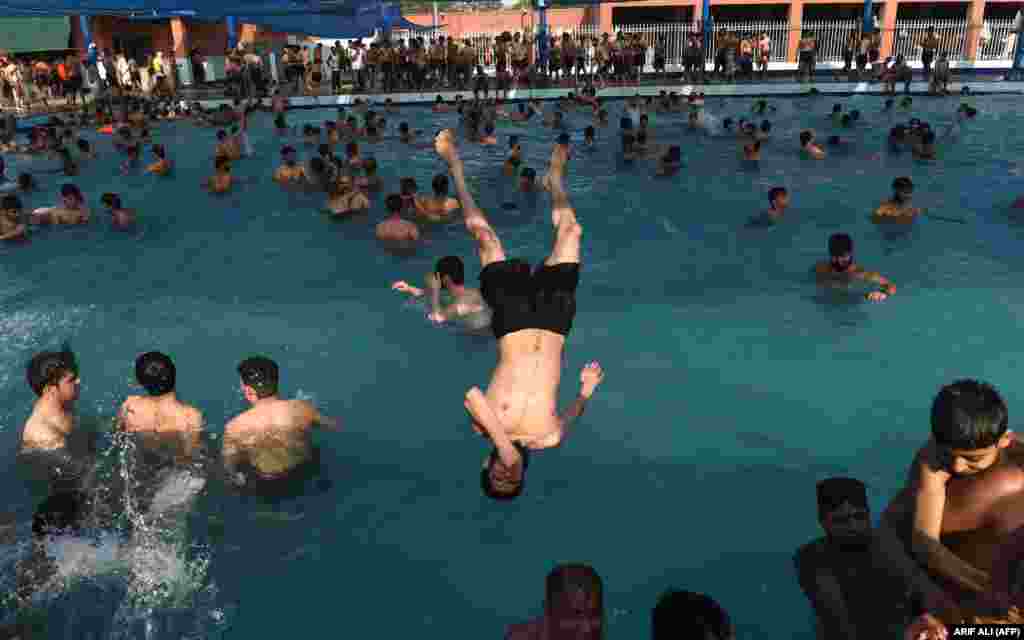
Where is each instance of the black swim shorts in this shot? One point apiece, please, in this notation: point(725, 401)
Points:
point(544, 299)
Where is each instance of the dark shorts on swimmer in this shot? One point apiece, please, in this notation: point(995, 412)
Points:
point(520, 299)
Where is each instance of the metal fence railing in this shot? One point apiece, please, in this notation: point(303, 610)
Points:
point(996, 40)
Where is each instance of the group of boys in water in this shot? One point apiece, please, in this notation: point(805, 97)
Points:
point(941, 537)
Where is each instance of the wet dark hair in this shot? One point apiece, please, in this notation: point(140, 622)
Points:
point(840, 244)
point(111, 200)
point(766, 126)
point(371, 130)
point(47, 368)
point(968, 415)
point(440, 184)
point(25, 181)
point(324, 149)
point(61, 512)
point(513, 141)
point(902, 184)
point(407, 186)
point(156, 373)
point(69, 189)
point(805, 137)
point(317, 164)
point(403, 127)
point(589, 132)
point(261, 374)
point(452, 267)
point(485, 475)
point(11, 202)
point(774, 193)
point(393, 203)
point(685, 614)
point(833, 492)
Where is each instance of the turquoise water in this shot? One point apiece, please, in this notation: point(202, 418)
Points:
point(732, 384)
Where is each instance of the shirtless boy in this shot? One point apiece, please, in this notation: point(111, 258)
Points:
point(965, 490)
point(438, 207)
point(532, 315)
point(53, 376)
point(898, 208)
point(121, 218)
point(859, 584)
point(12, 226)
point(163, 421)
point(841, 270)
point(71, 210)
point(467, 305)
point(273, 438)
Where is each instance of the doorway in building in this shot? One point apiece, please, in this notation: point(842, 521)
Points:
point(135, 47)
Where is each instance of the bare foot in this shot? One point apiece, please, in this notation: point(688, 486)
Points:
point(444, 144)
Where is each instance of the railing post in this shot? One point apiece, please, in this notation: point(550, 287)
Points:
point(796, 20)
point(975, 23)
point(889, 11)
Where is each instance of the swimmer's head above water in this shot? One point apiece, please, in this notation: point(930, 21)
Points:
point(844, 514)
point(54, 372)
point(259, 376)
point(778, 198)
point(450, 271)
point(840, 251)
point(156, 373)
point(440, 185)
point(970, 426)
point(902, 189)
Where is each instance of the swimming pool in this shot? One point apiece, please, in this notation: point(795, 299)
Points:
point(732, 384)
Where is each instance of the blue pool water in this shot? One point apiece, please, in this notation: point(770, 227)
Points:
point(732, 383)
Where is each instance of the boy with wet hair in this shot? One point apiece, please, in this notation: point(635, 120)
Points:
point(53, 377)
point(169, 424)
point(120, 218)
point(12, 223)
point(394, 231)
point(272, 439)
point(841, 270)
point(467, 305)
point(859, 584)
point(965, 489)
point(898, 208)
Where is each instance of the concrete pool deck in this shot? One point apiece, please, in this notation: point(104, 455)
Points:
point(752, 90)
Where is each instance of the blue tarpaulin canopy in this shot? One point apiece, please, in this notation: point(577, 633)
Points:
point(173, 8)
point(358, 22)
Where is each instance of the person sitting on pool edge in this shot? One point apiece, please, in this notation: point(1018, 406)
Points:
point(898, 208)
point(778, 202)
point(841, 270)
point(222, 180)
point(12, 224)
point(531, 316)
point(809, 146)
point(162, 166)
point(467, 306)
point(163, 421)
point(121, 218)
point(857, 585)
point(965, 489)
point(290, 171)
point(271, 440)
point(438, 207)
point(395, 232)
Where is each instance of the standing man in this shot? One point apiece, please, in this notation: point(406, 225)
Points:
point(334, 64)
point(533, 313)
